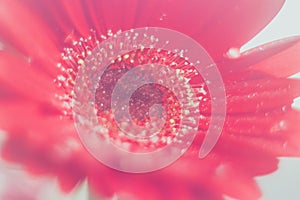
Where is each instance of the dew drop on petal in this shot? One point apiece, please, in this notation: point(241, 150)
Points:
point(234, 53)
point(162, 17)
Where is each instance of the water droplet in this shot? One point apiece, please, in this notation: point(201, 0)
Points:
point(162, 17)
point(234, 53)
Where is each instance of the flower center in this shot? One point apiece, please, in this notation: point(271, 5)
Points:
point(146, 101)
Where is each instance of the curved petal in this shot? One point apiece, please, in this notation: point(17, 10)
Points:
point(221, 25)
point(202, 20)
point(25, 79)
point(77, 15)
point(279, 58)
point(283, 64)
point(239, 185)
point(23, 30)
point(253, 96)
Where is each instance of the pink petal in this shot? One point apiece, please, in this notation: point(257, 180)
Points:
point(28, 34)
point(283, 64)
point(204, 22)
point(253, 96)
point(278, 58)
point(238, 184)
point(77, 15)
point(26, 79)
point(279, 136)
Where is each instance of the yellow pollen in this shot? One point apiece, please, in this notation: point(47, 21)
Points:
point(80, 62)
point(126, 56)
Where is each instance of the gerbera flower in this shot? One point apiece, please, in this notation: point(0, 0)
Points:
point(44, 43)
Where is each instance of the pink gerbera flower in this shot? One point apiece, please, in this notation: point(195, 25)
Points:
point(43, 43)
